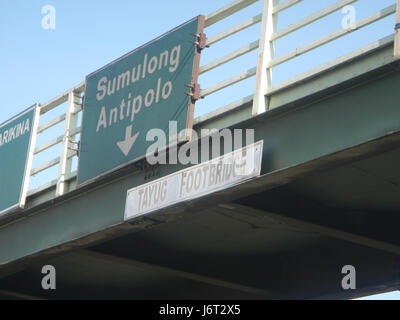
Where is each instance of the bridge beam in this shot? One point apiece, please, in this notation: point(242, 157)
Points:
point(326, 230)
point(261, 293)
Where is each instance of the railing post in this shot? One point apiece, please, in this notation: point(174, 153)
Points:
point(265, 55)
point(397, 34)
point(70, 126)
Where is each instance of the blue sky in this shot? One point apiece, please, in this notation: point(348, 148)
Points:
point(37, 65)
point(386, 296)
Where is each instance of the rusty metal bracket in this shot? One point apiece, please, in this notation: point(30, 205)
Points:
point(396, 54)
point(74, 149)
point(77, 143)
point(82, 101)
point(201, 41)
point(195, 91)
point(74, 142)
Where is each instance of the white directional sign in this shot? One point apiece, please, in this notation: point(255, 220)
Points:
point(197, 181)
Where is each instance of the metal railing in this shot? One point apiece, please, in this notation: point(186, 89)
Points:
point(262, 70)
point(273, 35)
point(73, 97)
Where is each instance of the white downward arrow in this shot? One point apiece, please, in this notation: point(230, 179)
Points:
point(127, 144)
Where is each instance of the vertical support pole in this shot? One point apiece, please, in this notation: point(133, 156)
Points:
point(397, 34)
point(195, 76)
point(70, 126)
point(266, 53)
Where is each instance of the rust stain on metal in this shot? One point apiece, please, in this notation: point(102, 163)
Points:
point(397, 36)
point(195, 78)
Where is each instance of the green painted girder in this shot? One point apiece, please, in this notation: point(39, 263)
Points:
point(296, 136)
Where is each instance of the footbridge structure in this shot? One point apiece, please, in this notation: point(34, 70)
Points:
point(327, 194)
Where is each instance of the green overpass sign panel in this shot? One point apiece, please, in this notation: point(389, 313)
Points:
point(17, 143)
point(143, 90)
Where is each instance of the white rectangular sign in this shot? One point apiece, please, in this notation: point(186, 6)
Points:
point(211, 176)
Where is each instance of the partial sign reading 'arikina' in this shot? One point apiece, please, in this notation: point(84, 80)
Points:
point(143, 90)
point(15, 132)
point(17, 141)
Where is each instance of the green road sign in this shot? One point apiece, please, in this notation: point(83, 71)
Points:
point(143, 90)
point(17, 143)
